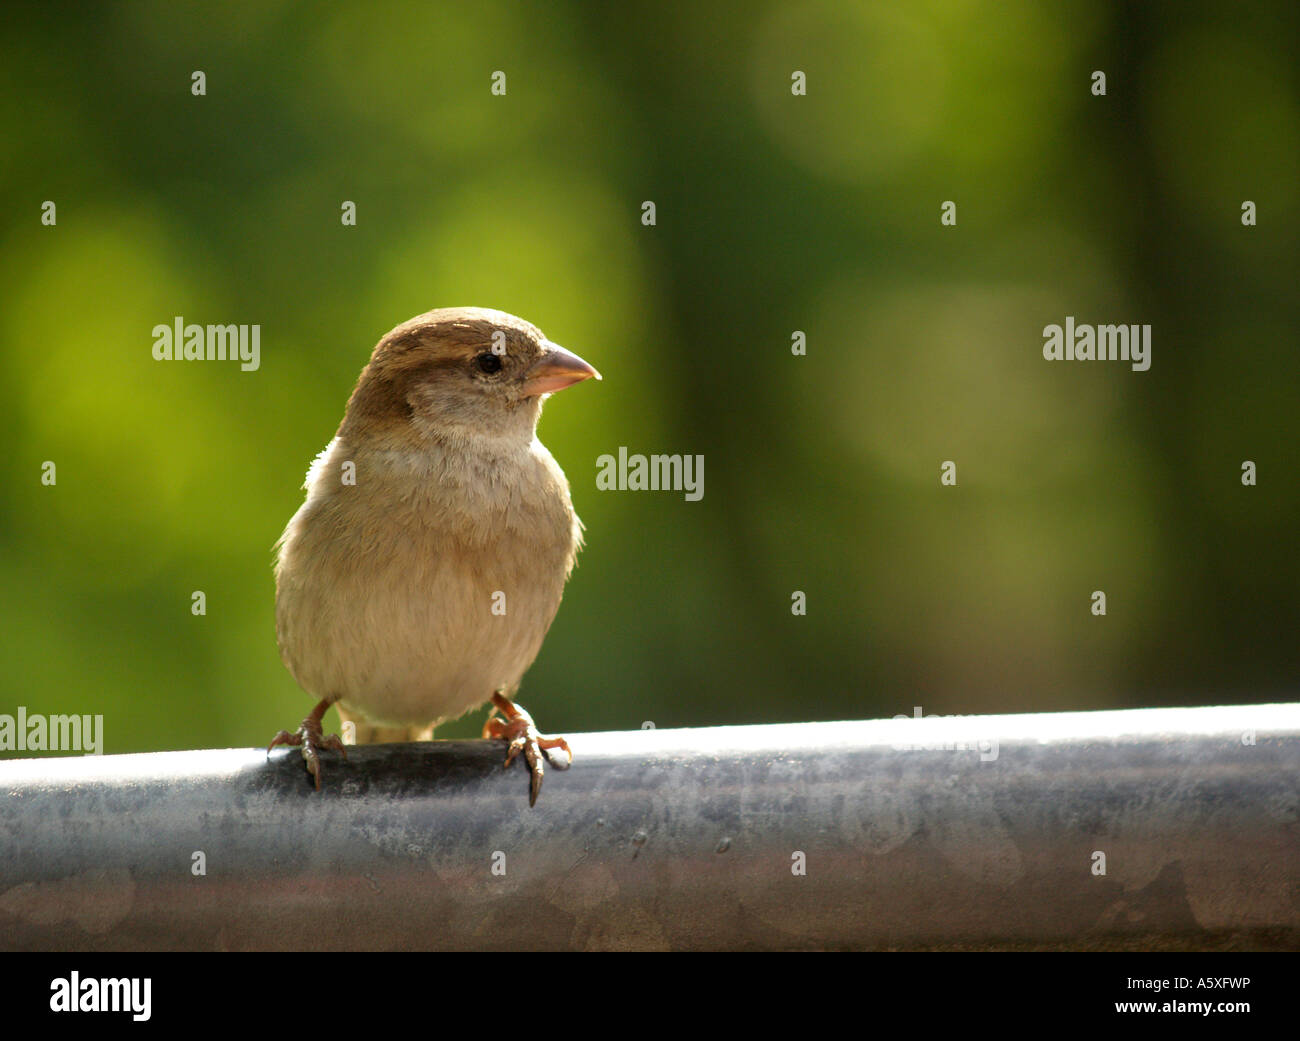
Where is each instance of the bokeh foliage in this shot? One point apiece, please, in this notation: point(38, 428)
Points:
point(775, 213)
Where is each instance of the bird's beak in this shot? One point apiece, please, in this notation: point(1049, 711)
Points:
point(555, 370)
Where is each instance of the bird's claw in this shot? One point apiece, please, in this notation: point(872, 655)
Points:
point(312, 742)
point(520, 733)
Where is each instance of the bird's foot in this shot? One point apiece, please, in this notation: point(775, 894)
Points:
point(312, 741)
point(520, 733)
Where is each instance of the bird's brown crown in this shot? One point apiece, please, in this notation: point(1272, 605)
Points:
point(463, 366)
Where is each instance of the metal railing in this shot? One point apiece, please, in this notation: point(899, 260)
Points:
point(1147, 829)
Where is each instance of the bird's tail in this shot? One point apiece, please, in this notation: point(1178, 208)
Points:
point(365, 733)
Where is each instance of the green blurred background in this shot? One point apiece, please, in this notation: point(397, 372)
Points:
point(775, 213)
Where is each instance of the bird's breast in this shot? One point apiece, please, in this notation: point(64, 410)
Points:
point(414, 593)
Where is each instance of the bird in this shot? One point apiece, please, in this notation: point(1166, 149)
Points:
point(419, 577)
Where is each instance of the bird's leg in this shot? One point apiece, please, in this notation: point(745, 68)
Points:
point(519, 731)
point(311, 739)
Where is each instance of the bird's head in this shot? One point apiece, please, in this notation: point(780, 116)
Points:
point(460, 373)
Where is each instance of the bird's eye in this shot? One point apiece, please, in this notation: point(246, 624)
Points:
point(488, 362)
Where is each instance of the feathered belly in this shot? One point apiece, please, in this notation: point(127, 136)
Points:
point(414, 629)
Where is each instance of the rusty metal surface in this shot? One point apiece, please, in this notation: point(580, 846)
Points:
point(962, 833)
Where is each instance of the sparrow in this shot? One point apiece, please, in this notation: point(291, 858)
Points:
point(420, 576)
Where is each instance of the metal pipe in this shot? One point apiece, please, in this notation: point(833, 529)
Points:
point(1147, 829)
